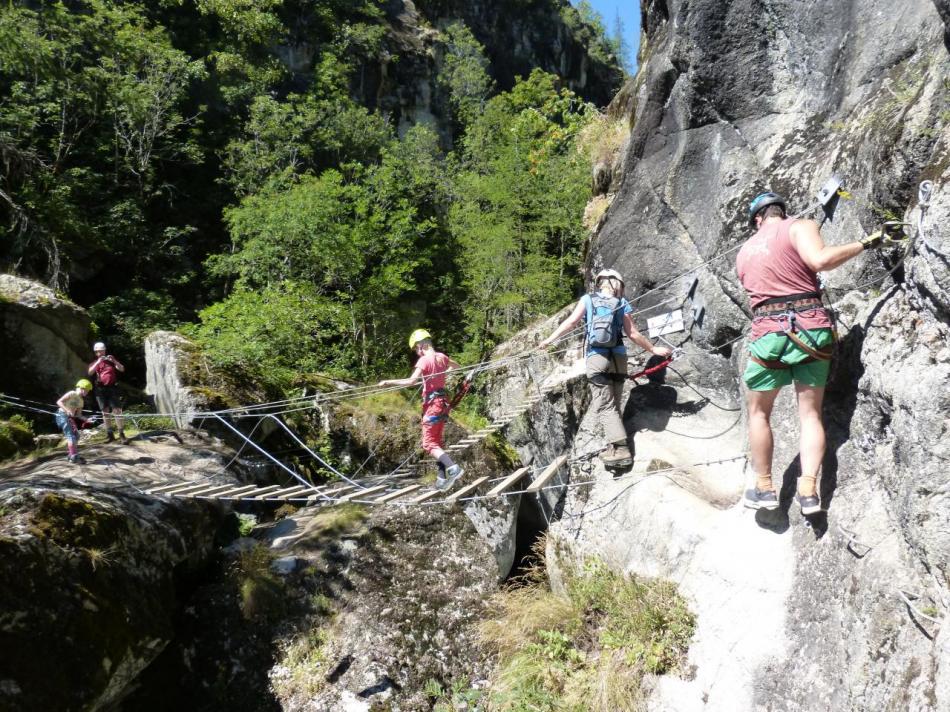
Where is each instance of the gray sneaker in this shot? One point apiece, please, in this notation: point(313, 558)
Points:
point(451, 474)
point(758, 499)
point(810, 504)
point(615, 455)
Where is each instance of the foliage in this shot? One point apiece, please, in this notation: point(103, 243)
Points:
point(162, 161)
point(520, 200)
point(16, 436)
point(587, 649)
point(261, 591)
point(465, 73)
point(92, 113)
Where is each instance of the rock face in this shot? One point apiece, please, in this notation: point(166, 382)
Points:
point(517, 37)
point(836, 611)
point(93, 570)
point(46, 340)
point(167, 359)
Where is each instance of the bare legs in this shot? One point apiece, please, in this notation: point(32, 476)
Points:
point(760, 436)
point(812, 442)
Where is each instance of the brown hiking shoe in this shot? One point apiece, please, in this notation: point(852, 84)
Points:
point(614, 455)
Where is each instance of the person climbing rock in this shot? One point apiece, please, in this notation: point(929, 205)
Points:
point(791, 340)
point(431, 368)
point(69, 418)
point(105, 372)
point(607, 315)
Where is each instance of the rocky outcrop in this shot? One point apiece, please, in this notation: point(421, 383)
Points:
point(410, 588)
point(93, 570)
point(845, 609)
point(170, 362)
point(46, 338)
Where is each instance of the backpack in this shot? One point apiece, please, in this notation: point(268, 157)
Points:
point(605, 322)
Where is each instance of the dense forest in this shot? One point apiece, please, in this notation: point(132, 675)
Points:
point(227, 168)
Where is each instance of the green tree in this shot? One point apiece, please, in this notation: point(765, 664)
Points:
point(464, 73)
point(517, 214)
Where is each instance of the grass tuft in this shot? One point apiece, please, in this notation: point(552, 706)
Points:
point(588, 648)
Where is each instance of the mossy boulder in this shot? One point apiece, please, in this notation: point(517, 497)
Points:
point(91, 589)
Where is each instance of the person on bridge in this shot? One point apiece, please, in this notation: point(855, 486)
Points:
point(105, 372)
point(607, 315)
point(69, 418)
point(791, 338)
point(431, 368)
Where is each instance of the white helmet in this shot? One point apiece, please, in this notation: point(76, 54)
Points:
point(608, 274)
point(98, 345)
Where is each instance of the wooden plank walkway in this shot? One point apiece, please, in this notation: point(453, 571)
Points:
point(549, 472)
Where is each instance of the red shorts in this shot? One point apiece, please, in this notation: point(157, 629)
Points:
point(434, 415)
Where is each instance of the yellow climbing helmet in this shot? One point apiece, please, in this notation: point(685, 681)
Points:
point(418, 335)
point(84, 384)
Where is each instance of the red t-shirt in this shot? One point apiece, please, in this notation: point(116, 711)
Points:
point(433, 366)
point(106, 373)
point(769, 266)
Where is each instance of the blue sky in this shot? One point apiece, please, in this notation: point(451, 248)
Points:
point(629, 11)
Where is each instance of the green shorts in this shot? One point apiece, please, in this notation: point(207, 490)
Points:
point(769, 348)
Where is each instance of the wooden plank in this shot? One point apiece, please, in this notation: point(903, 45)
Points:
point(291, 492)
point(271, 490)
point(263, 492)
point(427, 496)
point(190, 490)
point(360, 493)
point(398, 493)
point(320, 495)
point(508, 481)
point(166, 488)
point(209, 491)
point(547, 474)
point(455, 496)
point(239, 491)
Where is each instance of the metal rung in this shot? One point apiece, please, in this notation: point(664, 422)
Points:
point(455, 496)
point(237, 492)
point(360, 493)
point(548, 473)
point(507, 482)
point(398, 493)
point(431, 494)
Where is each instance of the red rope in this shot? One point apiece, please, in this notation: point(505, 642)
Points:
point(653, 369)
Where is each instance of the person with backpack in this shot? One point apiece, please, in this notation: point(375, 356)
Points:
point(607, 315)
point(105, 372)
point(431, 368)
point(792, 336)
point(69, 418)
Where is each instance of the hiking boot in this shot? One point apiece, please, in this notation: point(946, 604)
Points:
point(109, 436)
point(122, 439)
point(451, 474)
point(77, 459)
point(615, 455)
point(810, 504)
point(760, 499)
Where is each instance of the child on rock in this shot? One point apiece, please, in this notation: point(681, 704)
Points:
point(69, 418)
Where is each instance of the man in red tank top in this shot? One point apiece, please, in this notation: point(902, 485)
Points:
point(791, 337)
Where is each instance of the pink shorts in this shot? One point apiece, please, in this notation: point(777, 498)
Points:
point(434, 415)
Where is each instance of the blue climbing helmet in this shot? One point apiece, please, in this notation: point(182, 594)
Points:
point(763, 200)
